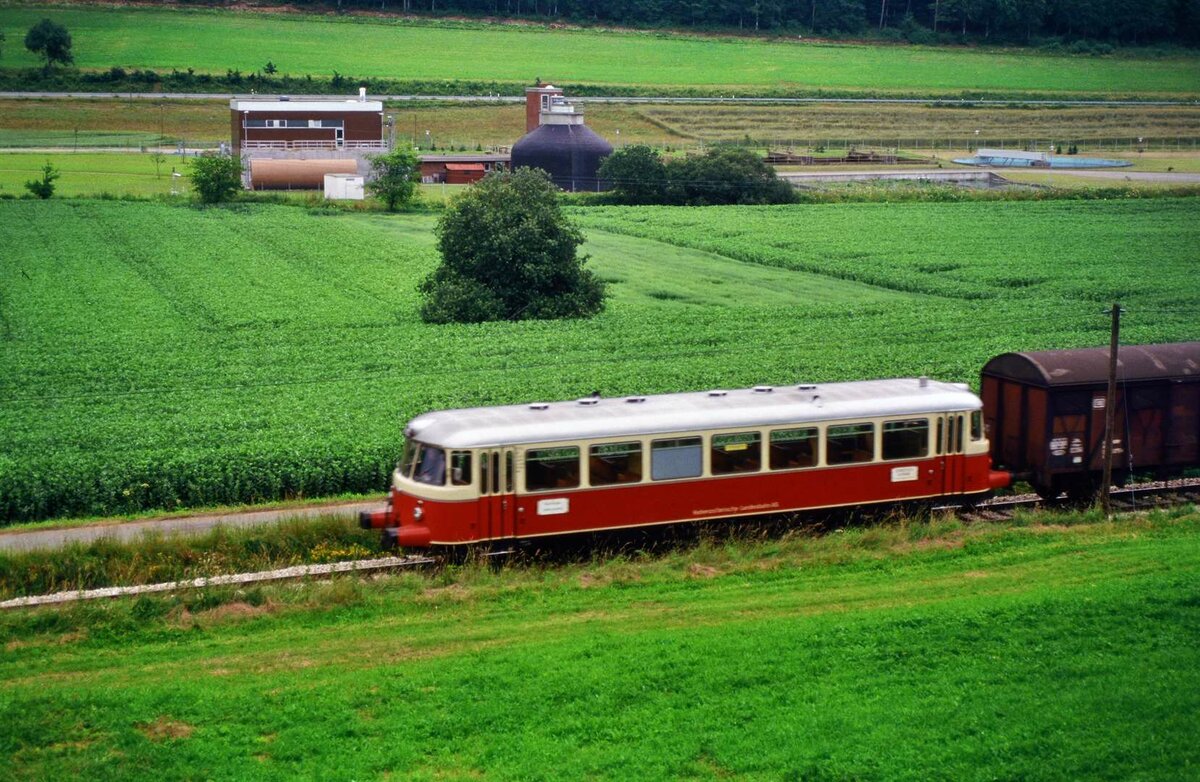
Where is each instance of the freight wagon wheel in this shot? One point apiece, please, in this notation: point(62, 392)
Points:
point(1047, 493)
point(1082, 490)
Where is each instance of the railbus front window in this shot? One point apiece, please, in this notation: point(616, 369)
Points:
point(793, 448)
point(552, 468)
point(977, 425)
point(431, 465)
point(613, 463)
point(906, 439)
point(677, 458)
point(850, 444)
point(736, 452)
point(409, 458)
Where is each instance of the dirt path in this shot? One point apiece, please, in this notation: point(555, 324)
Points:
point(27, 540)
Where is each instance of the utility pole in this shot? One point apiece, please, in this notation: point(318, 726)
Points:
point(1110, 409)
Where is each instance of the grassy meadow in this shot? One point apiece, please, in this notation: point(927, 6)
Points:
point(1050, 648)
point(165, 356)
point(363, 46)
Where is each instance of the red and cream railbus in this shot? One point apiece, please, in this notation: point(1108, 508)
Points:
point(527, 471)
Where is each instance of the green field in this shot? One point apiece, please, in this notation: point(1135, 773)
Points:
point(378, 47)
point(93, 173)
point(169, 356)
point(1051, 649)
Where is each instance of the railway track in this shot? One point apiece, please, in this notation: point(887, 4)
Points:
point(1127, 499)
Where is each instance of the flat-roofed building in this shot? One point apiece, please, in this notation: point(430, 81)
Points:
point(261, 123)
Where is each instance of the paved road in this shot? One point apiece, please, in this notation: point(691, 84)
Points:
point(184, 525)
point(604, 99)
point(1119, 174)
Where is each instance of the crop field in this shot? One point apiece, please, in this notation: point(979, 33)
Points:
point(121, 122)
point(159, 356)
point(94, 122)
point(1052, 648)
point(378, 47)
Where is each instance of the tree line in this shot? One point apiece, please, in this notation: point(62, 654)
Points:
point(1042, 22)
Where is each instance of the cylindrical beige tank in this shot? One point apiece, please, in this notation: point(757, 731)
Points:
point(267, 174)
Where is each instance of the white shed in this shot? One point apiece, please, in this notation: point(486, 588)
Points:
point(344, 187)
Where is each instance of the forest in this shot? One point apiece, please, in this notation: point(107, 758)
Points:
point(1082, 26)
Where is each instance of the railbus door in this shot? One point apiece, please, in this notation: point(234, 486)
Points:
point(497, 509)
point(952, 426)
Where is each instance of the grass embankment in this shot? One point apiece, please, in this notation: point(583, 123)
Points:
point(1050, 648)
point(158, 558)
point(278, 352)
point(367, 47)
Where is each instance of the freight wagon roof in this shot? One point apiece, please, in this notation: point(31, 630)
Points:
point(1089, 366)
point(590, 417)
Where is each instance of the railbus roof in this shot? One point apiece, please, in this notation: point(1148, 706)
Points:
point(599, 418)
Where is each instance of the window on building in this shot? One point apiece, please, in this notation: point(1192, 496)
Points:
point(552, 468)
point(613, 463)
point(793, 448)
point(906, 439)
point(256, 123)
point(736, 452)
point(460, 468)
point(677, 458)
point(849, 443)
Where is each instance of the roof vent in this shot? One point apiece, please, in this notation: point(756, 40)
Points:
point(588, 400)
point(540, 406)
point(763, 389)
point(635, 400)
point(284, 98)
point(806, 388)
point(717, 392)
point(923, 381)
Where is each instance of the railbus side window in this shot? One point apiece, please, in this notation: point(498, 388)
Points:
point(793, 448)
point(977, 425)
point(486, 481)
point(850, 443)
point(941, 435)
point(958, 434)
point(613, 463)
point(906, 439)
point(736, 452)
point(460, 468)
point(680, 457)
point(431, 466)
point(508, 472)
point(552, 468)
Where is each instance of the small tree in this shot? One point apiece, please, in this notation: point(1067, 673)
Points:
point(508, 253)
point(216, 177)
point(44, 187)
point(270, 68)
point(637, 175)
point(395, 177)
point(51, 42)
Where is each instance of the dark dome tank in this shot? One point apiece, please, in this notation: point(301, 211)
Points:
point(570, 153)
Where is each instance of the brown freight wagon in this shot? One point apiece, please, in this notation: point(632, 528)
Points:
point(1044, 414)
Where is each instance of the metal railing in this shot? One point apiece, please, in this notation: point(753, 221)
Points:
point(324, 144)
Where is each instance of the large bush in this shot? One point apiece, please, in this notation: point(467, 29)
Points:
point(508, 253)
point(721, 176)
